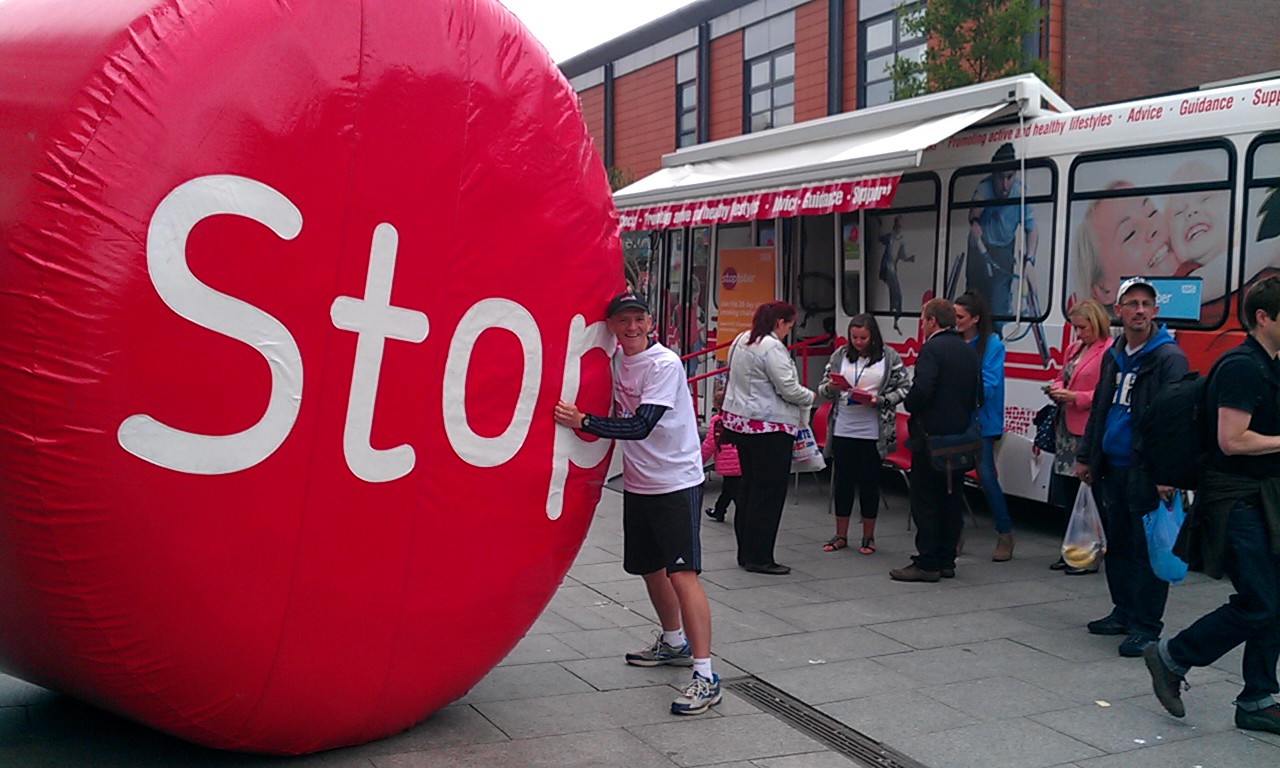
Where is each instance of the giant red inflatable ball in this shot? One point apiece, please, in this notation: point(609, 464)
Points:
point(287, 294)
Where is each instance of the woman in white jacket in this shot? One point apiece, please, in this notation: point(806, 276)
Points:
point(764, 407)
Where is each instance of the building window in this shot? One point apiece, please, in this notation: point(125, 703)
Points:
point(687, 99)
point(883, 39)
point(769, 81)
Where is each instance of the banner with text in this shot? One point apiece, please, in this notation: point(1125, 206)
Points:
point(811, 200)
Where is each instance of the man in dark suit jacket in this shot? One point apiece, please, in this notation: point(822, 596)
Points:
point(946, 389)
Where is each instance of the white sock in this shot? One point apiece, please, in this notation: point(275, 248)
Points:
point(674, 638)
point(703, 667)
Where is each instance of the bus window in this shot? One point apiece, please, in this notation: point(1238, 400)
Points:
point(900, 246)
point(1160, 213)
point(1262, 210)
point(983, 240)
point(673, 325)
point(638, 266)
point(697, 309)
point(815, 280)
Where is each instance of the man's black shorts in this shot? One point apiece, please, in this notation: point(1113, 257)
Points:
point(662, 531)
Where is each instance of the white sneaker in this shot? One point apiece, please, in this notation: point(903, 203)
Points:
point(700, 695)
point(661, 653)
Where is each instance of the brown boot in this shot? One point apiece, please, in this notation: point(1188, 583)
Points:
point(1004, 547)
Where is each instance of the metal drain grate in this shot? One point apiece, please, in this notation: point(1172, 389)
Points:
point(835, 734)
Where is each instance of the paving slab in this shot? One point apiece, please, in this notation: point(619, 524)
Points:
point(1228, 750)
point(898, 714)
point(539, 649)
point(939, 631)
point(576, 712)
point(1016, 742)
point(971, 661)
point(809, 648)
point(998, 698)
point(1118, 728)
point(825, 683)
point(576, 750)
point(525, 681)
point(708, 741)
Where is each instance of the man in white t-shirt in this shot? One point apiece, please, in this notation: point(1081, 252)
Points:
point(662, 479)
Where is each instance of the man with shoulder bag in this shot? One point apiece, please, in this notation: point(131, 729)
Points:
point(943, 440)
point(1142, 362)
point(1239, 504)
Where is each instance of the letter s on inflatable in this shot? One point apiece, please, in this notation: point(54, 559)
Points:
point(287, 294)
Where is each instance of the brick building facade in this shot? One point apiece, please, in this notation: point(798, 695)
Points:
point(720, 68)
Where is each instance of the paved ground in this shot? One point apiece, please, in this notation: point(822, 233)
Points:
point(992, 668)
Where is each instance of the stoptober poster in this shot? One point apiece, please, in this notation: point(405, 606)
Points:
point(746, 282)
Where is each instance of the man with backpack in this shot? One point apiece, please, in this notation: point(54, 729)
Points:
point(1141, 363)
point(1238, 509)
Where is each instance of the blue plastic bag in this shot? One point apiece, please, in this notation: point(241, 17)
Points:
point(1162, 525)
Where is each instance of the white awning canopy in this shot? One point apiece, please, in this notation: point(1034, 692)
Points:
point(886, 140)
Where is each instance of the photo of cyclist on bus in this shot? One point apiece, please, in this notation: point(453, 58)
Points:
point(990, 262)
point(894, 251)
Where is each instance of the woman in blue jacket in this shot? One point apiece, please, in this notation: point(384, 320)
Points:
point(973, 321)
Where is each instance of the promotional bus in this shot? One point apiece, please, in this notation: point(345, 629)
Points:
point(874, 211)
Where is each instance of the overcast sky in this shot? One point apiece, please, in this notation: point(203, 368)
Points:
point(569, 27)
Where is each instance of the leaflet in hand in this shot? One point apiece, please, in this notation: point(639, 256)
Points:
point(861, 396)
point(839, 380)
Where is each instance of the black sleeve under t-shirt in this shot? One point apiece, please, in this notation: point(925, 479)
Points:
point(1239, 383)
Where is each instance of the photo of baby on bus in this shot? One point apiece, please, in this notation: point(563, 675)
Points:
point(1167, 215)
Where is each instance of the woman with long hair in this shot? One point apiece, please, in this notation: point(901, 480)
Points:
point(764, 408)
point(973, 321)
point(1073, 392)
point(865, 380)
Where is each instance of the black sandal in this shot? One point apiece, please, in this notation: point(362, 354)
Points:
point(868, 546)
point(835, 543)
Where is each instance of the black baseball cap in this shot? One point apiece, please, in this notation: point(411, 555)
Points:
point(623, 301)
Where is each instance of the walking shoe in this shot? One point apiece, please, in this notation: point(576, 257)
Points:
point(1267, 719)
point(771, 569)
point(1133, 645)
point(1107, 625)
point(1004, 548)
point(914, 572)
point(714, 515)
point(1061, 565)
point(1072, 570)
point(699, 695)
point(947, 573)
point(1166, 684)
point(661, 653)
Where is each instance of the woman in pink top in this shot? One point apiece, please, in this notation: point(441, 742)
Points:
point(1073, 391)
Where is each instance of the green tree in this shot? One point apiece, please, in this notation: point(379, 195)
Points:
point(620, 177)
point(970, 41)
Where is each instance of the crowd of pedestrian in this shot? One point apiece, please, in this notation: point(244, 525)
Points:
point(954, 402)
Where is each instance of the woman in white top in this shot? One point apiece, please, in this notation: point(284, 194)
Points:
point(764, 407)
point(865, 380)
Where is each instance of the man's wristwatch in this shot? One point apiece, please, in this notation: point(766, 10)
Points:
point(586, 419)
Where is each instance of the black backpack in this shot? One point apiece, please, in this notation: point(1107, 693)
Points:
point(1176, 431)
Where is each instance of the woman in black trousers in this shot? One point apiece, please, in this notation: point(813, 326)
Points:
point(764, 407)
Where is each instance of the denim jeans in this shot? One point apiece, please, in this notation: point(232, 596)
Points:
point(1251, 616)
point(991, 486)
point(1137, 593)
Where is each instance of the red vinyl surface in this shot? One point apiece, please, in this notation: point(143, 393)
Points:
point(287, 294)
